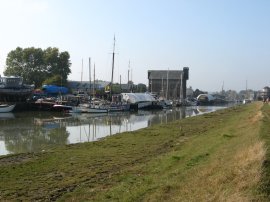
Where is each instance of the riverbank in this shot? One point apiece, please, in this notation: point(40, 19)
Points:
point(216, 156)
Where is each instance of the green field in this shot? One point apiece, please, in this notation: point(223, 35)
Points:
point(220, 156)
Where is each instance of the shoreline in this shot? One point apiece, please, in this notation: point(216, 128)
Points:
point(162, 162)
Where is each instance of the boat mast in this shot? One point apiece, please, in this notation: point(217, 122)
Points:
point(167, 84)
point(181, 88)
point(82, 73)
point(94, 90)
point(120, 84)
point(128, 73)
point(162, 87)
point(90, 76)
point(112, 66)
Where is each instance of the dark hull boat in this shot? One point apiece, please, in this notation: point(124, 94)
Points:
point(12, 89)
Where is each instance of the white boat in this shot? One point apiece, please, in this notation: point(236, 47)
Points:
point(119, 107)
point(4, 108)
point(87, 108)
point(142, 100)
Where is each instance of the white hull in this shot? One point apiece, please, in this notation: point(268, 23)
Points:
point(6, 108)
point(88, 110)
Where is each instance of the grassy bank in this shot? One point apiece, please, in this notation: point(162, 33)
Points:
point(216, 156)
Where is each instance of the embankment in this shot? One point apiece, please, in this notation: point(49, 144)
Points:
point(214, 157)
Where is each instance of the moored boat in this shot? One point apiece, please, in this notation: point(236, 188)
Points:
point(119, 107)
point(61, 108)
point(12, 89)
point(89, 108)
point(5, 108)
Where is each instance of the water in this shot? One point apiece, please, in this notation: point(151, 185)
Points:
point(36, 131)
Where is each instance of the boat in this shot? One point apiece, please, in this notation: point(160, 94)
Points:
point(119, 107)
point(12, 89)
point(61, 107)
point(80, 109)
point(208, 99)
point(5, 108)
point(166, 104)
point(89, 108)
point(140, 101)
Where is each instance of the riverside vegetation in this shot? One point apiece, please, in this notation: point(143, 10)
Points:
point(220, 156)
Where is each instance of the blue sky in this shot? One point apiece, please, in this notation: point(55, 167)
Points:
point(219, 40)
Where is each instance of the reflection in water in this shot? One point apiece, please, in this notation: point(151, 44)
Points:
point(36, 131)
point(4, 116)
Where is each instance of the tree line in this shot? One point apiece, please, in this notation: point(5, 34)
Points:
point(38, 66)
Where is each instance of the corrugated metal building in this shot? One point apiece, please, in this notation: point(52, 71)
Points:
point(170, 84)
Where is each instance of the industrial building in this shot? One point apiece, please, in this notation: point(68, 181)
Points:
point(170, 84)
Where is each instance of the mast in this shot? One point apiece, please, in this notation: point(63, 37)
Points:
point(162, 90)
point(167, 84)
point(112, 66)
point(82, 73)
point(90, 76)
point(181, 88)
point(128, 73)
point(94, 89)
point(120, 84)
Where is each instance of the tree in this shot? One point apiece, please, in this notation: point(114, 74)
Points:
point(140, 88)
point(54, 80)
point(36, 65)
point(57, 63)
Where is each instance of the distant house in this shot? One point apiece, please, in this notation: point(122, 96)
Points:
point(168, 83)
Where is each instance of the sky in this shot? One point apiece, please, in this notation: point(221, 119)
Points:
point(225, 43)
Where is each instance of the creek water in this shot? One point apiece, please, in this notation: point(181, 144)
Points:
point(23, 132)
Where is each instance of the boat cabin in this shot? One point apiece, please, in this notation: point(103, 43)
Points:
point(11, 82)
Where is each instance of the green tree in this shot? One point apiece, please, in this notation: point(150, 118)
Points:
point(57, 63)
point(141, 88)
point(116, 88)
point(54, 80)
point(36, 65)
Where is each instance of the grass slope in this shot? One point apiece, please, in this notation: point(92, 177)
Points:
point(213, 157)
